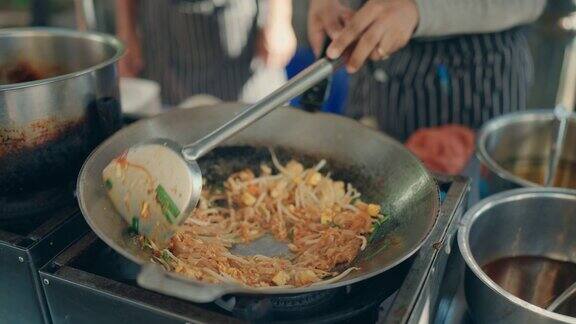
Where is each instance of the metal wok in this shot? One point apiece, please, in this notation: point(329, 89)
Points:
point(381, 168)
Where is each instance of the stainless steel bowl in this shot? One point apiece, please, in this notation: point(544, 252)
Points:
point(537, 224)
point(49, 125)
point(516, 144)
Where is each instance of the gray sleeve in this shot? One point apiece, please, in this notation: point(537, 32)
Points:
point(450, 17)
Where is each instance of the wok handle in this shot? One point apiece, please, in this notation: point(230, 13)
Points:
point(155, 278)
point(301, 82)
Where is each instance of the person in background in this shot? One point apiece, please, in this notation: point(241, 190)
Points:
point(207, 46)
point(431, 62)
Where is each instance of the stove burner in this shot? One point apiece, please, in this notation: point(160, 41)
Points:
point(301, 302)
point(295, 306)
point(35, 204)
point(22, 226)
point(104, 261)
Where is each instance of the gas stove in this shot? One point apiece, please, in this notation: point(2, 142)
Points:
point(27, 244)
point(90, 283)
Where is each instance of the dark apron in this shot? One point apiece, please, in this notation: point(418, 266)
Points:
point(199, 46)
point(465, 80)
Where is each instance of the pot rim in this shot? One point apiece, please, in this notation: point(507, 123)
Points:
point(477, 210)
point(499, 122)
point(107, 39)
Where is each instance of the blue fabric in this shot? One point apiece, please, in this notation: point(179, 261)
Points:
point(442, 196)
point(339, 87)
point(483, 188)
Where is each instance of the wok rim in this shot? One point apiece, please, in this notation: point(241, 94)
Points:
point(238, 289)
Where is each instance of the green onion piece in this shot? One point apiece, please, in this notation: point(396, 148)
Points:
point(169, 208)
point(378, 228)
point(165, 256)
point(135, 224)
point(108, 183)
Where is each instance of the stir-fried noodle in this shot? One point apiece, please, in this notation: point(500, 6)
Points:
point(323, 221)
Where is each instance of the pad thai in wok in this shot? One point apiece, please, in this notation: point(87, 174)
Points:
point(324, 222)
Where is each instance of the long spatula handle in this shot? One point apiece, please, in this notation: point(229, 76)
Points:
point(304, 80)
point(565, 101)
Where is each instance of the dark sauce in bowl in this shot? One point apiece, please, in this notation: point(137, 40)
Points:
point(535, 171)
point(535, 279)
point(24, 71)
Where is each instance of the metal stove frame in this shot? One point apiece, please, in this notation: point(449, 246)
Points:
point(75, 295)
point(418, 298)
point(21, 255)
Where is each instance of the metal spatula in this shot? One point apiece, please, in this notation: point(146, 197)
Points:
point(156, 185)
point(562, 298)
point(560, 125)
point(563, 110)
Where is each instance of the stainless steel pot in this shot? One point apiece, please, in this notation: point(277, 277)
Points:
point(538, 223)
point(49, 125)
point(520, 143)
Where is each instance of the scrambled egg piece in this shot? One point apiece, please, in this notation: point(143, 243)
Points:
point(281, 278)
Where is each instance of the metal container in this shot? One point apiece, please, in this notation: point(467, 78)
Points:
point(535, 223)
point(67, 103)
point(514, 149)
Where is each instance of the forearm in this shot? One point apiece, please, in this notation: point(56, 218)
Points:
point(451, 17)
point(279, 10)
point(126, 18)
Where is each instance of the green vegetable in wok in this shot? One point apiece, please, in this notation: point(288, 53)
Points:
point(169, 208)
